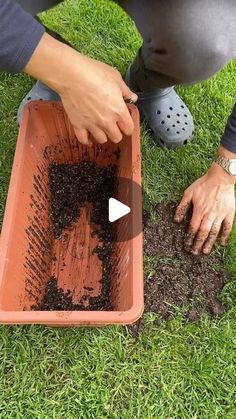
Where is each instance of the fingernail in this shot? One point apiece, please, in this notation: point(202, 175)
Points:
point(177, 220)
point(132, 99)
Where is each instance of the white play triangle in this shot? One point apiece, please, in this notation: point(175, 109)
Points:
point(117, 210)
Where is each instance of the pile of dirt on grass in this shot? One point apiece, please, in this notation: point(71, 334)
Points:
point(71, 187)
point(180, 279)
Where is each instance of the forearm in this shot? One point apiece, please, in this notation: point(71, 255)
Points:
point(52, 63)
point(20, 33)
point(222, 151)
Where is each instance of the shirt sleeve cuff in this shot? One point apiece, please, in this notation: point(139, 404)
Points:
point(29, 47)
point(228, 139)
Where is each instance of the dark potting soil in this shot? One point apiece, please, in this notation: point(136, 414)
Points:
point(178, 278)
point(56, 298)
point(71, 187)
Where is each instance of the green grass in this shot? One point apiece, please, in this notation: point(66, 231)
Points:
point(174, 370)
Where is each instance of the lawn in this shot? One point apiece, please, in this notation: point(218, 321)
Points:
point(175, 370)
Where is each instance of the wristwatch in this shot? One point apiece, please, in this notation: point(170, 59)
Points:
point(229, 165)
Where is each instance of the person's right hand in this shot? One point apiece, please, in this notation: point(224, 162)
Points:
point(94, 101)
point(93, 93)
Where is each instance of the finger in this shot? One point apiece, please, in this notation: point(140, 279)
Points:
point(83, 136)
point(114, 133)
point(207, 248)
point(128, 101)
point(182, 208)
point(193, 228)
point(202, 234)
point(98, 136)
point(125, 122)
point(127, 93)
point(226, 229)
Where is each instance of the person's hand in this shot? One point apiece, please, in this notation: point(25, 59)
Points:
point(213, 200)
point(93, 93)
point(94, 101)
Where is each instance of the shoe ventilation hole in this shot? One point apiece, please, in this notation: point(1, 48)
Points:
point(186, 116)
point(29, 98)
point(158, 112)
point(178, 122)
point(186, 123)
point(162, 122)
point(170, 108)
point(177, 132)
point(182, 106)
point(173, 125)
point(185, 141)
point(168, 116)
point(178, 114)
point(183, 129)
point(167, 129)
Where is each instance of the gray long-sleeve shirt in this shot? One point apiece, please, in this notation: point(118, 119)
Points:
point(20, 34)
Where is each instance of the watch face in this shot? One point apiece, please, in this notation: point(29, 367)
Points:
point(232, 167)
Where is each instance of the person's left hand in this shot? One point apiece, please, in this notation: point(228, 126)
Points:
point(213, 199)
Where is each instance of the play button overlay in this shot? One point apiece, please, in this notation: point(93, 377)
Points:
point(124, 209)
point(117, 210)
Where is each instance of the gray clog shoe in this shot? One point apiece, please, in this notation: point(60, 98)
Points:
point(38, 92)
point(166, 115)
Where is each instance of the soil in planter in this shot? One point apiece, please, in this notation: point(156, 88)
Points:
point(177, 278)
point(72, 186)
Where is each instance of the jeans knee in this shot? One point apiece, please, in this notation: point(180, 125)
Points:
point(184, 43)
point(187, 60)
point(199, 60)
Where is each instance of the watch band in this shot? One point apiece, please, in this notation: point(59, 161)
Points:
point(223, 162)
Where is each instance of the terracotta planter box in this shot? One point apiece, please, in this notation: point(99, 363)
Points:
point(29, 252)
